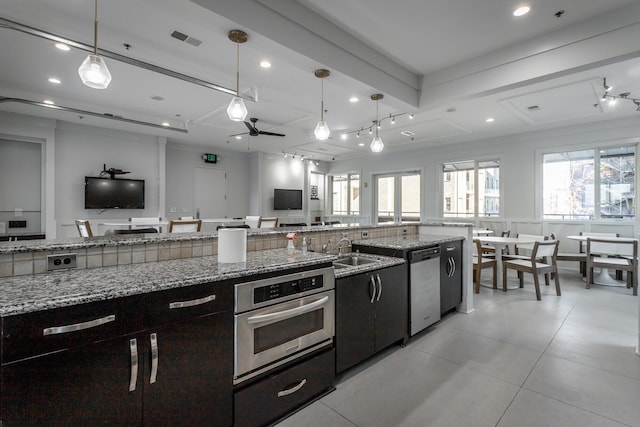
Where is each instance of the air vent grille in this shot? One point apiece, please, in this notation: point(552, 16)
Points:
point(186, 38)
point(407, 133)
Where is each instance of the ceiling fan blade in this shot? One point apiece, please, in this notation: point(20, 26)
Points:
point(270, 133)
point(238, 134)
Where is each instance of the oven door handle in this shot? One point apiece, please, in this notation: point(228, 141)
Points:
point(287, 313)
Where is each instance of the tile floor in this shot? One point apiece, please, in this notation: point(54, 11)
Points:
point(514, 361)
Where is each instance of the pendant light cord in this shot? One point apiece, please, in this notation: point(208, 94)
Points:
point(95, 30)
point(377, 122)
point(322, 99)
point(237, 67)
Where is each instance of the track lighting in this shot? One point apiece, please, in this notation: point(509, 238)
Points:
point(322, 130)
point(613, 98)
point(236, 110)
point(376, 144)
point(93, 71)
point(393, 120)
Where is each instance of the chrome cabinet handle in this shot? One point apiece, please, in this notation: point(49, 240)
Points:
point(453, 266)
point(191, 303)
point(154, 358)
point(292, 389)
point(373, 293)
point(133, 348)
point(284, 314)
point(78, 326)
point(379, 288)
point(449, 267)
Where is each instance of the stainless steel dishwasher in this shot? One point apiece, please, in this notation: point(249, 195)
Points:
point(424, 280)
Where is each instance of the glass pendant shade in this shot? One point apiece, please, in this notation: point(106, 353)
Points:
point(322, 131)
point(377, 145)
point(236, 110)
point(94, 72)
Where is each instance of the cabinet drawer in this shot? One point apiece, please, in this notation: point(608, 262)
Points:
point(41, 332)
point(179, 304)
point(279, 394)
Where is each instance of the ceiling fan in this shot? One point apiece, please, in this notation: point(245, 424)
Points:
point(253, 130)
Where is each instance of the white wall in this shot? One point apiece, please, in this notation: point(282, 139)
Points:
point(181, 161)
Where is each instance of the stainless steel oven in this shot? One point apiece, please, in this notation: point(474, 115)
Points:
point(282, 318)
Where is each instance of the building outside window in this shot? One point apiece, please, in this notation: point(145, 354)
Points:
point(589, 184)
point(460, 180)
point(345, 190)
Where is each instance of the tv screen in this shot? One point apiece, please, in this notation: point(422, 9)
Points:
point(286, 199)
point(106, 193)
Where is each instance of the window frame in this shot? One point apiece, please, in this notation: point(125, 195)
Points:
point(330, 178)
point(476, 161)
point(596, 148)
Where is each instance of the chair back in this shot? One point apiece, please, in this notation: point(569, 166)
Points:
point(184, 226)
point(252, 221)
point(84, 228)
point(232, 226)
point(186, 218)
point(529, 240)
point(270, 222)
point(144, 222)
point(583, 244)
point(627, 247)
point(506, 233)
point(545, 248)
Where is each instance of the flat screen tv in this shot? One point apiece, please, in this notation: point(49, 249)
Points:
point(106, 193)
point(287, 199)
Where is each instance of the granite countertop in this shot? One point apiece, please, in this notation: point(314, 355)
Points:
point(29, 293)
point(407, 243)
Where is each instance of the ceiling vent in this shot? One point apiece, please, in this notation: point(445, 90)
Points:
point(407, 133)
point(185, 38)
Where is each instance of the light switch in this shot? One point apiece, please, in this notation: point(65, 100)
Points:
point(172, 210)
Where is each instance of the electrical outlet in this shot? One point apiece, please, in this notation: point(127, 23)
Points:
point(364, 234)
point(61, 262)
point(345, 235)
point(404, 231)
point(173, 210)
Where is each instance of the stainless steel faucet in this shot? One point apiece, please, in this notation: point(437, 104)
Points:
point(326, 250)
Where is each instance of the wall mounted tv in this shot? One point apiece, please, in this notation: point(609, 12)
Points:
point(107, 193)
point(287, 199)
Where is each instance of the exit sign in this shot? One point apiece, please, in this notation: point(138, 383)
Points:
point(210, 158)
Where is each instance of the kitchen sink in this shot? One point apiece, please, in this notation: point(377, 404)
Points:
point(352, 260)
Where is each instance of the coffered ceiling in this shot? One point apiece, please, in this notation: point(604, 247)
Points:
point(450, 63)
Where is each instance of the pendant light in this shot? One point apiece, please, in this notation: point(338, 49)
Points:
point(376, 144)
point(322, 130)
point(236, 110)
point(93, 71)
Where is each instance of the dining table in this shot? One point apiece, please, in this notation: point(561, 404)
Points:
point(604, 277)
point(482, 232)
point(500, 243)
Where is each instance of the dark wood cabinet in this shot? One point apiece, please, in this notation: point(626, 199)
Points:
point(371, 314)
point(158, 359)
point(450, 275)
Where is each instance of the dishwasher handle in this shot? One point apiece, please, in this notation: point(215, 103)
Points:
point(424, 254)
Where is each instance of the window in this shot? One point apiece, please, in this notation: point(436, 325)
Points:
point(345, 190)
point(459, 188)
point(589, 184)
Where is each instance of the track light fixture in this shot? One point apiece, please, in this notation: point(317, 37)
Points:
point(293, 156)
point(236, 110)
point(93, 71)
point(322, 130)
point(376, 144)
point(613, 98)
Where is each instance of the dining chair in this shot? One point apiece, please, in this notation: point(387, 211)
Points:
point(187, 218)
point(84, 228)
point(621, 255)
point(268, 222)
point(252, 221)
point(480, 262)
point(185, 226)
point(542, 250)
point(581, 255)
point(490, 249)
point(523, 250)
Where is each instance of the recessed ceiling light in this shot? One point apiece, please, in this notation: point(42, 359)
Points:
point(361, 144)
point(353, 99)
point(265, 64)
point(411, 116)
point(522, 10)
point(54, 80)
point(238, 137)
point(48, 102)
point(344, 136)
point(63, 46)
point(490, 120)
point(166, 124)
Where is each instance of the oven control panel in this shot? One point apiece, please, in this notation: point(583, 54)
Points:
point(283, 289)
